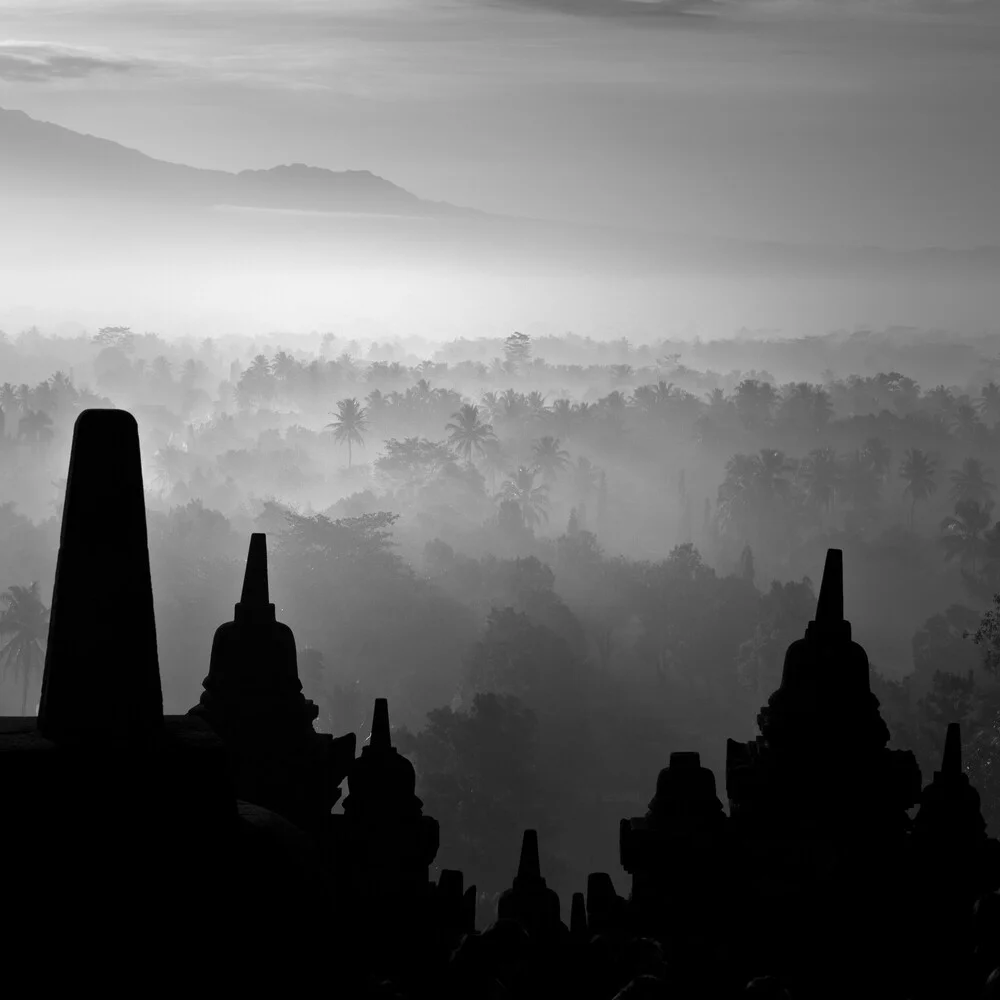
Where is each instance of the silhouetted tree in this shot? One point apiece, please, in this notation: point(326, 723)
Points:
point(468, 434)
point(962, 532)
point(532, 500)
point(517, 351)
point(24, 625)
point(550, 459)
point(971, 482)
point(350, 424)
point(917, 470)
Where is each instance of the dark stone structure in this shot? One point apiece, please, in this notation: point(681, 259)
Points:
point(202, 848)
point(529, 900)
point(818, 812)
point(383, 846)
point(685, 820)
point(125, 838)
point(253, 699)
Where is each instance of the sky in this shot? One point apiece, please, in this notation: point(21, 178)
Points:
point(819, 121)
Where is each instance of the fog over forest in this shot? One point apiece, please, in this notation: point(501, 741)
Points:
point(560, 558)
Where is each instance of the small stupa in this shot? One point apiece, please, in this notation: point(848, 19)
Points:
point(253, 699)
point(529, 900)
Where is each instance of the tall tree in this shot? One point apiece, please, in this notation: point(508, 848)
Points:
point(24, 625)
point(917, 471)
point(962, 532)
point(35, 427)
point(821, 475)
point(467, 433)
point(879, 454)
point(989, 403)
point(532, 500)
point(494, 460)
point(517, 351)
point(971, 482)
point(349, 425)
point(549, 457)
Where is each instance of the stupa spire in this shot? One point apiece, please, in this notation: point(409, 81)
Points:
point(101, 669)
point(829, 625)
point(529, 868)
point(255, 602)
point(380, 738)
point(830, 607)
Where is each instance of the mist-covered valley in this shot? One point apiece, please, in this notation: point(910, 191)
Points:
point(559, 557)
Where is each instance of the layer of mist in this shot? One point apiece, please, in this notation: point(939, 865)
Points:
point(573, 554)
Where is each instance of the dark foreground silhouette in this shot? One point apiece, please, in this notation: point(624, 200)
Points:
point(155, 853)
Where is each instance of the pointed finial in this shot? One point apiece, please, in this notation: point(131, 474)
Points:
point(380, 739)
point(102, 676)
point(255, 577)
point(255, 602)
point(951, 762)
point(829, 625)
point(830, 607)
point(529, 867)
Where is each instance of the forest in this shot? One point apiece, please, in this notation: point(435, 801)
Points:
point(559, 558)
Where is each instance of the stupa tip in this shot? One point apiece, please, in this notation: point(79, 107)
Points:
point(380, 738)
point(830, 607)
point(255, 589)
point(951, 763)
point(529, 866)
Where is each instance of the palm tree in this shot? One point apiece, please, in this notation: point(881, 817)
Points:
point(991, 551)
point(989, 402)
point(24, 623)
point(771, 466)
point(879, 454)
point(513, 405)
point(490, 403)
point(965, 420)
point(562, 417)
point(941, 400)
point(962, 532)
point(821, 473)
point(494, 460)
point(970, 482)
point(755, 401)
point(468, 432)
point(533, 500)
point(535, 402)
point(918, 470)
point(549, 457)
point(35, 427)
point(349, 425)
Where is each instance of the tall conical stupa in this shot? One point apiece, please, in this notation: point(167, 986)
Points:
point(101, 659)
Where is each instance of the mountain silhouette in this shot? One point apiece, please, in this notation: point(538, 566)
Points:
point(43, 162)
point(43, 159)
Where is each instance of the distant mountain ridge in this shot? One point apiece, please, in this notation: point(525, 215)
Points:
point(49, 160)
point(43, 160)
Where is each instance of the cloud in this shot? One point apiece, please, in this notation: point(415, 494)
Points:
point(39, 62)
point(705, 10)
point(637, 9)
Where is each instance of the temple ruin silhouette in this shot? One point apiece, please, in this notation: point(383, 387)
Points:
point(153, 852)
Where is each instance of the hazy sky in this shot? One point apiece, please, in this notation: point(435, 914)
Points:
point(873, 121)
